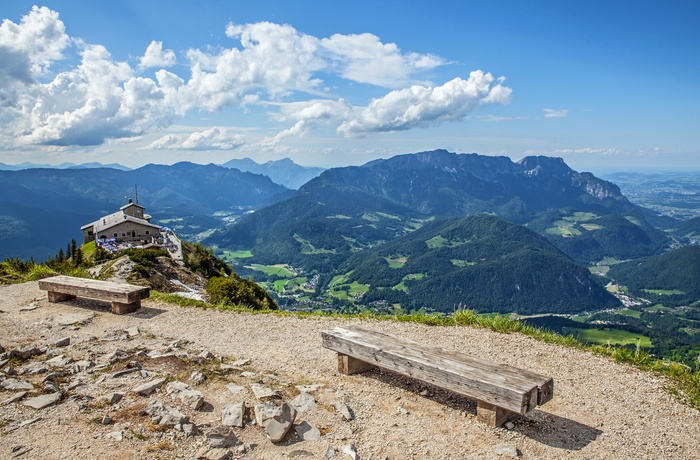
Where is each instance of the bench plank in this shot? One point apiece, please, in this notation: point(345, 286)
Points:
point(513, 389)
point(125, 298)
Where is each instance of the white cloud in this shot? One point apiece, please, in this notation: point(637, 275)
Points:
point(156, 57)
point(365, 59)
point(555, 113)
point(587, 151)
point(34, 43)
point(420, 106)
point(169, 141)
point(215, 138)
point(101, 98)
point(496, 118)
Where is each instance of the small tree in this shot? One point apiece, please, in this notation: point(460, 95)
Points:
point(77, 257)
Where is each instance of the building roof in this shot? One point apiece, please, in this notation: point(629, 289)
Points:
point(128, 205)
point(117, 218)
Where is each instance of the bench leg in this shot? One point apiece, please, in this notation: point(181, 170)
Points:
point(493, 415)
point(59, 297)
point(119, 308)
point(348, 365)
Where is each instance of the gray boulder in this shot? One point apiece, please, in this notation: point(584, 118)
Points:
point(278, 426)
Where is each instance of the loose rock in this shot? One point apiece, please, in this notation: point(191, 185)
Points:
point(149, 387)
point(506, 451)
point(191, 398)
point(303, 402)
point(14, 398)
point(222, 438)
point(235, 389)
point(279, 425)
point(262, 392)
point(344, 411)
point(62, 342)
point(14, 384)
point(307, 432)
point(233, 414)
point(350, 451)
point(43, 401)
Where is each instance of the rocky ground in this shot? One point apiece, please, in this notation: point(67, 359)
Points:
point(78, 382)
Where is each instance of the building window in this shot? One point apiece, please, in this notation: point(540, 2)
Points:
point(123, 234)
point(116, 235)
point(147, 232)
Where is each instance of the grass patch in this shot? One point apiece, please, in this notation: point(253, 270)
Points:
point(657, 308)
point(396, 261)
point(233, 255)
point(438, 241)
point(280, 270)
point(159, 446)
point(347, 291)
point(564, 229)
point(595, 269)
point(664, 291)
point(411, 276)
point(627, 312)
point(610, 336)
point(461, 263)
point(308, 248)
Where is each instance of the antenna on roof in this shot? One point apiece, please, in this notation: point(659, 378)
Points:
point(137, 193)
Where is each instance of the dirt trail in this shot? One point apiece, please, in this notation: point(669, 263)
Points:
point(601, 409)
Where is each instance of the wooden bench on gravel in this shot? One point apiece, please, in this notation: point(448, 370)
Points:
point(502, 392)
point(125, 298)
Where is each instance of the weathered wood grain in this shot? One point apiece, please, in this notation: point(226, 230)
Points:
point(506, 387)
point(125, 298)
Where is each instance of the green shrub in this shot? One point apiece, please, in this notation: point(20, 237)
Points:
point(238, 291)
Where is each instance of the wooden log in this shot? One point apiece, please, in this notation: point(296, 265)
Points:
point(119, 308)
point(493, 415)
point(348, 365)
point(506, 387)
point(55, 297)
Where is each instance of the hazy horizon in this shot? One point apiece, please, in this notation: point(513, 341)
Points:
point(606, 86)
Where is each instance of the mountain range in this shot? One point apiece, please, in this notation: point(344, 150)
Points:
point(533, 217)
point(28, 165)
point(353, 208)
point(481, 262)
point(284, 171)
point(42, 209)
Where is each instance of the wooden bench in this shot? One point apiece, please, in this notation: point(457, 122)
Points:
point(502, 392)
point(125, 298)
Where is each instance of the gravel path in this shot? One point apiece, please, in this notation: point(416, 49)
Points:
point(600, 410)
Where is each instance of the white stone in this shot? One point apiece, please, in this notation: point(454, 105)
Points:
point(43, 401)
point(233, 414)
point(307, 432)
point(235, 389)
point(149, 387)
point(303, 402)
point(262, 392)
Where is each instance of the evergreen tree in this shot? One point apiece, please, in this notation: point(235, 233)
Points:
point(77, 257)
point(60, 257)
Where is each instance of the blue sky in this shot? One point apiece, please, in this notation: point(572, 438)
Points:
point(608, 86)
